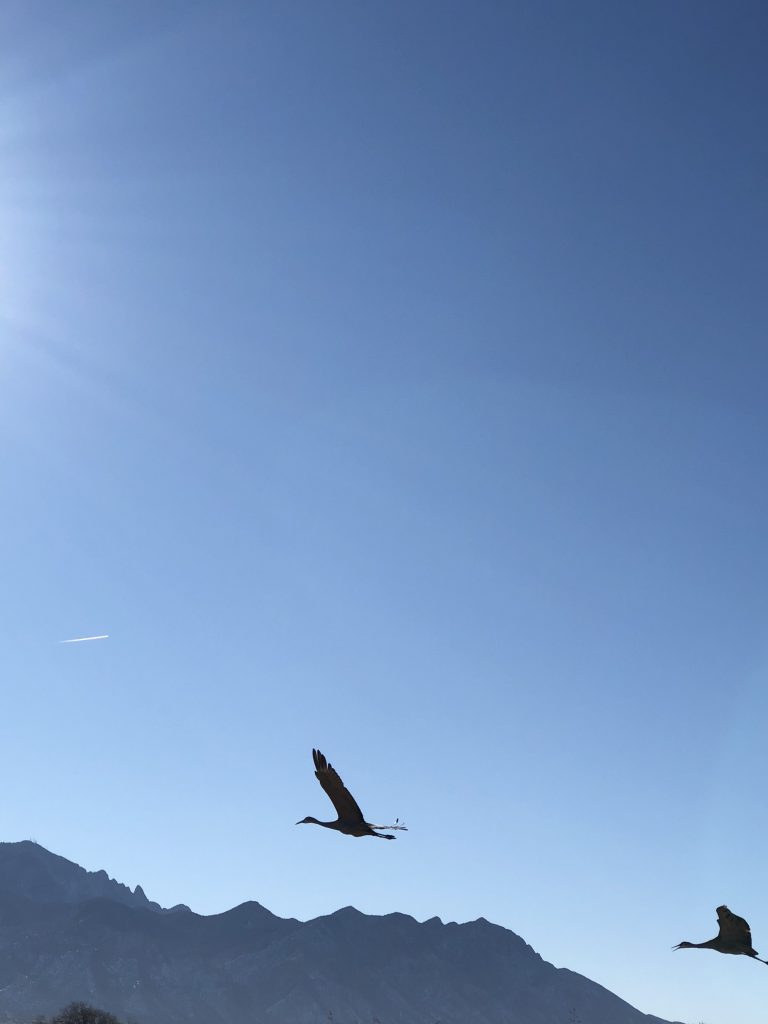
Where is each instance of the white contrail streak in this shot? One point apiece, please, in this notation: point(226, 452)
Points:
point(80, 639)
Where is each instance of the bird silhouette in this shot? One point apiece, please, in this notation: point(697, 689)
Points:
point(350, 821)
point(734, 937)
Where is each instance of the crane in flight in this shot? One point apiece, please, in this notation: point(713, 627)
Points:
point(350, 821)
point(734, 937)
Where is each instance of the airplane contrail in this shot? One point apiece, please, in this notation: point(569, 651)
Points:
point(80, 639)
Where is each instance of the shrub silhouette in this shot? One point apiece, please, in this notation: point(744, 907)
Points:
point(82, 1013)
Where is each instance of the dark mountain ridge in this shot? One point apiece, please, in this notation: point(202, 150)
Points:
point(30, 870)
point(59, 943)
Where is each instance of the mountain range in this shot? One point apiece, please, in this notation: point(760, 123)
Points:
point(68, 934)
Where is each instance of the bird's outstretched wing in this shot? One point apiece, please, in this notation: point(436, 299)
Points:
point(733, 928)
point(339, 795)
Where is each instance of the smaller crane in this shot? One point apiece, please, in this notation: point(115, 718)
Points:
point(350, 821)
point(734, 937)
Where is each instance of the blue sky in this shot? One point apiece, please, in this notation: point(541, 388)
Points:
point(391, 379)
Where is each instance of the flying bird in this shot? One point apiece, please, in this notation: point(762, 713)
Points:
point(81, 639)
point(734, 937)
point(350, 821)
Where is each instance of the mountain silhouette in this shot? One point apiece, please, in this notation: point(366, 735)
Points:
point(67, 934)
point(29, 870)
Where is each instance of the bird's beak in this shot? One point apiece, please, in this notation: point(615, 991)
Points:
point(299, 822)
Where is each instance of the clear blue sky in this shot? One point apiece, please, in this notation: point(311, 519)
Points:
point(391, 378)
